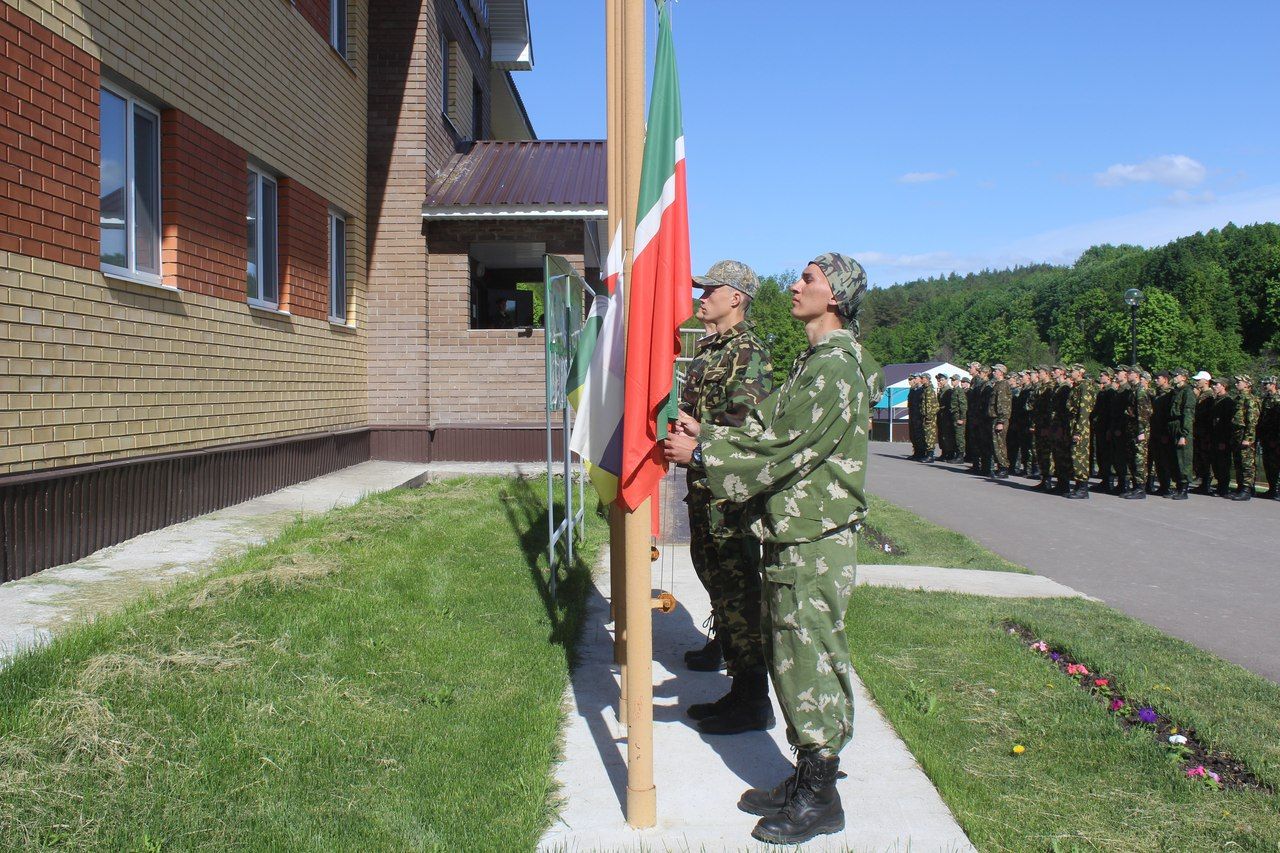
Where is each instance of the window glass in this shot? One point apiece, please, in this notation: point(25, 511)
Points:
point(337, 268)
point(338, 28)
point(113, 203)
point(270, 280)
point(146, 205)
point(251, 220)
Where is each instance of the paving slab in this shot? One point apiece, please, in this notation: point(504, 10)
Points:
point(970, 581)
point(889, 802)
point(33, 609)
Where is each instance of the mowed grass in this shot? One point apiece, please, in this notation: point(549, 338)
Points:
point(384, 677)
point(961, 692)
point(924, 543)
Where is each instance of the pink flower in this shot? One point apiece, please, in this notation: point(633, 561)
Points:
point(1040, 647)
point(1117, 704)
point(1198, 770)
point(1077, 669)
point(1214, 776)
point(1102, 682)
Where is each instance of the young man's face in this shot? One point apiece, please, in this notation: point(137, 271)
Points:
point(1104, 380)
point(718, 303)
point(1162, 382)
point(811, 295)
point(1219, 389)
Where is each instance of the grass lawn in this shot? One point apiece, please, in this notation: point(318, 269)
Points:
point(384, 677)
point(962, 692)
point(923, 543)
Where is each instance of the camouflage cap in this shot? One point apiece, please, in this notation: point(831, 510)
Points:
point(1145, 375)
point(1242, 377)
point(1000, 367)
point(1077, 366)
point(1058, 367)
point(1270, 380)
point(1107, 372)
point(956, 377)
point(1221, 380)
point(733, 274)
point(848, 282)
point(1163, 373)
point(1181, 371)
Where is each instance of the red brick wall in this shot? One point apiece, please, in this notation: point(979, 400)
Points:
point(304, 251)
point(317, 14)
point(49, 134)
point(202, 208)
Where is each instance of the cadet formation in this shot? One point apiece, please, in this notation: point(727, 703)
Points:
point(776, 496)
point(1171, 434)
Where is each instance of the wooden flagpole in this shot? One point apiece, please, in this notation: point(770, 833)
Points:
point(638, 669)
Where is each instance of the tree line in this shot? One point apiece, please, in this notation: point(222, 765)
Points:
point(1212, 302)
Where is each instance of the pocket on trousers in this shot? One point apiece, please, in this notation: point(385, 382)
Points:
point(785, 575)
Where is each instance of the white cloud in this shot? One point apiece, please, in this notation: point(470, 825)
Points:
point(1153, 226)
point(1185, 197)
point(925, 177)
point(1170, 170)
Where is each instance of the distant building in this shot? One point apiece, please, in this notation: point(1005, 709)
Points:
point(889, 418)
point(247, 246)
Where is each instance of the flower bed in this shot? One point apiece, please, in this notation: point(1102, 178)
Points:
point(879, 541)
point(1199, 764)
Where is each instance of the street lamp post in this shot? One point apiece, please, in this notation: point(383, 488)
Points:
point(1133, 298)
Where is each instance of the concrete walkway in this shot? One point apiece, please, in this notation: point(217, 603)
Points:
point(969, 581)
point(889, 802)
point(35, 608)
point(1203, 570)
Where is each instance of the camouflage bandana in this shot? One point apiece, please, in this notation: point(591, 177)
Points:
point(848, 284)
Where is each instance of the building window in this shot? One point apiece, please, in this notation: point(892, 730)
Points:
point(506, 285)
point(337, 268)
point(262, 278)
point(129, 204)
point(445, 59)
point(338, 25)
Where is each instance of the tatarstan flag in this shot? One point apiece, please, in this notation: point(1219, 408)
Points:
point(660, 290)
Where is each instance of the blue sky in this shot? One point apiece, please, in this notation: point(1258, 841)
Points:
point(926, 137)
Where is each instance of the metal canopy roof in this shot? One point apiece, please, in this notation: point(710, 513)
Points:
point(525, 178)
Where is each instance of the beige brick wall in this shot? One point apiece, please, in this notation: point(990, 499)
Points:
point(485, 376)
point(95, 371)
point(93, 368)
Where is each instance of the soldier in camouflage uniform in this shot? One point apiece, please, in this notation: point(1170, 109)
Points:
point(1017, 423)
point(1042, 427)
point(960, 416)
point(801, 458)
point(1137, 432)
point(1118, 422)
point(982, 419)
point(928, 417)
point(946, 429)
point(1100, 425)
point(1202, 431)
point(1269, 434)
point(915, 426)
point(1224, 413)
point(729, 375)
point(1161, 442)
point(1061, 430)
point(999, 410)
point(1181, 423)
point(1079, 408)
point(1244, 431)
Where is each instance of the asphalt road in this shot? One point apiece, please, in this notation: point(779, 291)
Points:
point(1206, 570)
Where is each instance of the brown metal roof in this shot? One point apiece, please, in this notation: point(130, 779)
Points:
point(542, 177)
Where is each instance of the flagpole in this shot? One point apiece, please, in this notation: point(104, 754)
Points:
point(638, 669)
point(613, 147)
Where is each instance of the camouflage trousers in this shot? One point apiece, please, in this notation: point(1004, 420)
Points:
point(1000, 445)
point(930, 430)
point(729, 568)
point(806, 594)
point(1135, 455)
point(1243, 466)
point(959, 435)
point(1080, 457)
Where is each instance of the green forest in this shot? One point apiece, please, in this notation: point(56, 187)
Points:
point(1212, 301)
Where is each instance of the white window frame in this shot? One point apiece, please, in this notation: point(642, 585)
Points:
point(338, 38)
point(262, 177)
point(132, 272)
point(338, 269)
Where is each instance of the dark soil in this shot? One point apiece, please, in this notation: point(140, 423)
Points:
point(1231, 771)
point(879, 541)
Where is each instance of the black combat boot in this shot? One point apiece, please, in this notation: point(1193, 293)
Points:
point(1034, 473)
point(1104, 486)
point(813, 808)
point(929, 457)
point(1182, 493)
point(1063, 487)
point(1000, 473)
point(1122, 487)
point(1136, 493)
point(1151, 486)
point(709, 658)
point(1203, 489)
point(769, 801)
point(750, 711)
point(705, 710)
point(1163, 490)
point(1079, 492)
point(1243, 494)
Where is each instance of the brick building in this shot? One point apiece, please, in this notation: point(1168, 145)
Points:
point(246, 245)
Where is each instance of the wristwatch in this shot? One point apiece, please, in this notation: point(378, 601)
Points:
point(695, 457)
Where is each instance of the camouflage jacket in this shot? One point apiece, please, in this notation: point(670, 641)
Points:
point(1000, 403)
point(801, 457)
point(959, 404)
point(729, 375)
point(1244, 422)
point(1042, 407)
point(1269, 418)
point(1182, 412)
point(1080, 406)
point(928, 402)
